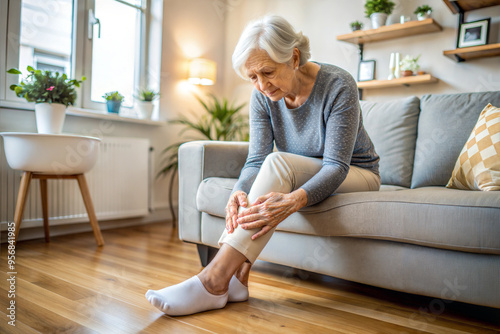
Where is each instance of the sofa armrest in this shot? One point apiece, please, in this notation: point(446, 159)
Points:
point(199, 160)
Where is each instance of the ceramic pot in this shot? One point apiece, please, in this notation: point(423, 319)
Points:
point(407, 73)
point(50, 117)
point(378, 20)
point(50, 153)
point(113, 106)
point(356, 28)
point(422, 17)
point(145, 109)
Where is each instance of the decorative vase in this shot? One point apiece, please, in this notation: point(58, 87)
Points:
point(407, 73)
point(378, 20)
point(424, 16)
point(397, 61)
point(392, 66)
point(113, 106)
point(145, 109)
point(50, 117)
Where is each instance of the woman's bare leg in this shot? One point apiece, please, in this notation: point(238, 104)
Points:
point(217, 274)
point(243, 272)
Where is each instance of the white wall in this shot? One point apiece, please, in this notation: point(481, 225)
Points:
point(323, 20)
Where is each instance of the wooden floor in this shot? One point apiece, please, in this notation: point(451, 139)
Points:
point(71, 286)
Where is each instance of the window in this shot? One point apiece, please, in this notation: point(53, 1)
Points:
point(104, 40)
point(46, 35)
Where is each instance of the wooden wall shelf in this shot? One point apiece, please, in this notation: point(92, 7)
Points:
point(392, 31)
point(467, 5)
point(473, 52)
point(403, 81)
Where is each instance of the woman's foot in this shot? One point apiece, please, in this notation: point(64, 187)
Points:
point(237, 292)
point(185, 298)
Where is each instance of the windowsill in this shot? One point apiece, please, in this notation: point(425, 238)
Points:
point(90, 113)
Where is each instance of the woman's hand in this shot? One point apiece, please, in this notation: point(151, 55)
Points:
point(269, 210)
point(239, 198)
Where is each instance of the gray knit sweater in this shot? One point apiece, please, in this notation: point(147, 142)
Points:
point(328, 125)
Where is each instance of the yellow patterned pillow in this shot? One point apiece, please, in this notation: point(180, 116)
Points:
point(478, 166)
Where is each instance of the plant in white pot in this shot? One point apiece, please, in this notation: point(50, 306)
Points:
point(423, 12)
point(377, 11)
point(52, 94)
point(408, 65)
point(145, 102)
point(113, 101)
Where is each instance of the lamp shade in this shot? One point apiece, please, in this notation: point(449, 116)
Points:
point(202, 72)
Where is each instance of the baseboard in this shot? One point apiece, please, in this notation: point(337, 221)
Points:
point(36, 232)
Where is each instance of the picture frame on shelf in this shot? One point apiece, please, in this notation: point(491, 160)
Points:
point(474, 33)
point(366, 70)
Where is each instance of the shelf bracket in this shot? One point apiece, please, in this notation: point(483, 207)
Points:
point(459, 59)
point(460, 21)
point(361, 47)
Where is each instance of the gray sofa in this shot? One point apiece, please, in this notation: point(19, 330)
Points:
point(414, 235)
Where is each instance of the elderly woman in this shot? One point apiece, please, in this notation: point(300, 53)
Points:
point(310, 112)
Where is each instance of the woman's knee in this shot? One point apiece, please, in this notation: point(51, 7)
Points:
point(276, 161)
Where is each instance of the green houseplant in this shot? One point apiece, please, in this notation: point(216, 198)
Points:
point(145, 102)
point(356, 25)
point(408, 65)
point(221, 121)
point(378, 10)
point(423, 12)
point(52, 93)
point(113, 101)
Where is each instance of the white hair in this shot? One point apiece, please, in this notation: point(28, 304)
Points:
point(276, 36)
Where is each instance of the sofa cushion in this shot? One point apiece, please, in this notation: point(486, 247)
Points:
point(478, 166)
point(444, 125)
point(392, 127)
point(431, 216)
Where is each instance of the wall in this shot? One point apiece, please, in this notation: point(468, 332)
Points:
point(323, 20)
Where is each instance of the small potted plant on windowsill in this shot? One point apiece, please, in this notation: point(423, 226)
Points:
point(377, 11)
point(409, 65)
point(423, 12)
point(52, 94)
point(356, 25)
point(145, 103)
point(113, 101)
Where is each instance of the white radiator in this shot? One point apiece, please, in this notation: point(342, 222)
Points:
point(119, 185)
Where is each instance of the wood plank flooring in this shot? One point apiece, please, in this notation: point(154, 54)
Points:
point(71, 286)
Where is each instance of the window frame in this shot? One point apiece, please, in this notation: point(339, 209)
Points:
point(81, 55)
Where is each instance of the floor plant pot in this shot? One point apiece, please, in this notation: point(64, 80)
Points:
point(50, 117)
point(378, 20)
point(113, 106)
point(145, 109)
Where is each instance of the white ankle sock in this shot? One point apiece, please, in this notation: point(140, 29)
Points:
point(185, 298)
point(237, 291)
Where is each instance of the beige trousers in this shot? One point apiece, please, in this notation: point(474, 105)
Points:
point(285, 172)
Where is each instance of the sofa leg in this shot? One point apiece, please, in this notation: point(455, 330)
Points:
point(206, 254)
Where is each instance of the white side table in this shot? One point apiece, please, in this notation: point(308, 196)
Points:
point(44, 157)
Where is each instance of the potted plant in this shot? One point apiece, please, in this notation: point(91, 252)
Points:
point(377, 11)
point(423, 12)
point(145, 102)
point(409, 65)
point(356, 25)
point(113, 101)
point(220, 122)
point(52, 94)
